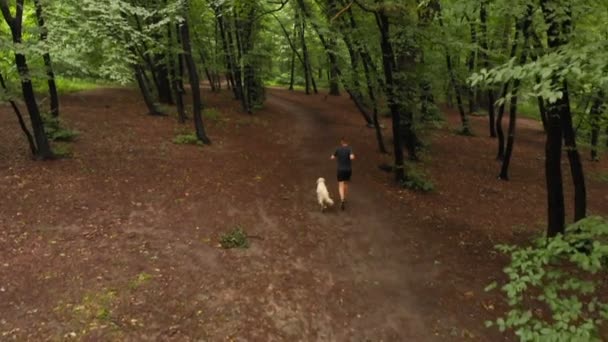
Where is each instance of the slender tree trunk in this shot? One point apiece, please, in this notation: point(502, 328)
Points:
point(504, 171)
point(559, 124)
point(43, 150)
point(595, 117)
point(504, 94)
point(307, 68)
point(388, 61)
point(293, 59)
point(471, 66)
point(483, 15)
point(574, 158)
point(47, 62)
point(452, 74)
point(228, 52)
point(22, 124)
point(152, 108)
point(175, 79)
point(197, 103)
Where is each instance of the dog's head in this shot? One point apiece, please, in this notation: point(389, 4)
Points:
point(321, 180)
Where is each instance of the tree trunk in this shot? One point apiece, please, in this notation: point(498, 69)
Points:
point(527, 22)
point(152, 108)
point(452, 74)
point(558, 116)
point(293, 60)
point(194, 82)
point(47, 62)
point(43, 150)
point(388, 62)
point(173, 66)
point(574, 158)
point(307, 68)
point(22, 124)
point(504, 93)
point(471, 66)
point(483, 15)
point(595, 117)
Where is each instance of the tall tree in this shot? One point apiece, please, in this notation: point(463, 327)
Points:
point(47, 61)
point(197, 103)
point(43, 148)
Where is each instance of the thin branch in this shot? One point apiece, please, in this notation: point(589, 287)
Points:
point(343, 10)
point(282, 4)
point(291, 44)
point(6, 12)
point(364, 7)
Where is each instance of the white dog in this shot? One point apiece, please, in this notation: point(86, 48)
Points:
point(323, 194)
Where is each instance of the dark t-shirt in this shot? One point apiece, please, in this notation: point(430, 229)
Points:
point(342, 155)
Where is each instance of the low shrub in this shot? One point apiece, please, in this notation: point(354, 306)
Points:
point(552, 287)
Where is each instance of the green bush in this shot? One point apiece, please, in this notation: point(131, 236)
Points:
point(552, 287)
point(62, 151)
point(187, 139)
point(417, 180)
point(55, 131)
point(235, 239)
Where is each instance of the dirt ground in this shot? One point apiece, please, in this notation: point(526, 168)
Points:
point(120, 242)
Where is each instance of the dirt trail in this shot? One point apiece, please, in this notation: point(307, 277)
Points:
point(365, 255)
point(120, 241)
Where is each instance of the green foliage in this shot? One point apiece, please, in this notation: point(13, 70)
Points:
point(212, 114)
point(416, 179)
point(553, 285)
point(62, 150)
point(187, 139)
point(235, 239)
point(55, 131)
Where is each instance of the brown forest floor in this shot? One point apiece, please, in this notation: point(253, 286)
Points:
point(120, 241)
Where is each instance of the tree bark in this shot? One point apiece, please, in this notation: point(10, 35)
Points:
point(194, 82)
point(452, 74)
point(504, 171)
point(43, 150)
point(559, 125)
point(504, 94)
point(595, 117)
point(483, 15)
point(388, 62)
point(22, 124)
point(47, 62)
point(173, 66)
point(148, 100)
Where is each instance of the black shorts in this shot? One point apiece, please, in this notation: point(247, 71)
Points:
point(344, 176)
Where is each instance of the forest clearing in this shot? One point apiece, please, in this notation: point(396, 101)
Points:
point(158, 174)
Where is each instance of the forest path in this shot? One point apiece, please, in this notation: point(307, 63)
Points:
point(368, 251)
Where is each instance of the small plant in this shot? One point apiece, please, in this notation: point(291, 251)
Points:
point(212, 114)
point(55, 131)
point(140, 280)
point(417, 180)
point(187, 139)
point(553, 285)
point(235, 239)
point(62, 150)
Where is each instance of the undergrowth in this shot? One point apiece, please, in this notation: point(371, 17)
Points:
point(416, 179)
point(55, 130)
point(554, 286)
point(187, 139)
point(236, 238)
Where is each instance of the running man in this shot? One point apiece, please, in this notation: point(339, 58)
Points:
point(343, 155)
